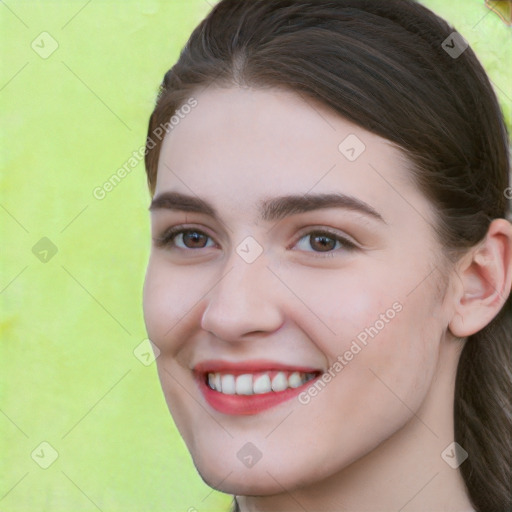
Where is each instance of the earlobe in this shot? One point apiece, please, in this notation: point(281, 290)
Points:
point(484, 277)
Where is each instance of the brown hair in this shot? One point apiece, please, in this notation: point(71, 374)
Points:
point(382, 65)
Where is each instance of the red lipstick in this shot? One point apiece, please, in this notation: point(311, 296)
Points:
point(277, 383)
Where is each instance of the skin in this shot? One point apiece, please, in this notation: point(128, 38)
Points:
point(372, 438)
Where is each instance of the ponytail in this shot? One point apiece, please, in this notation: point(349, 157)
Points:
point(483, 420)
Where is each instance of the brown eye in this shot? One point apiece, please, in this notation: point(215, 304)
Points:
point(322, 243)
point(193, 239)
point(184, 239)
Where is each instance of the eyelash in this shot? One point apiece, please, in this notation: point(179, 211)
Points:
point(345, 243)
point(168, 237)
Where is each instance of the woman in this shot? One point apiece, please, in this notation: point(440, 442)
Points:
point(329, 283)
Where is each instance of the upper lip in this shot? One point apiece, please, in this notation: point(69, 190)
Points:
point(249, 366)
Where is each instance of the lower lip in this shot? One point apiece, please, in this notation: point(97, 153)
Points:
point(247, 404)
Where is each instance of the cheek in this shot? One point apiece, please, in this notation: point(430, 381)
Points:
point(339, 306)
point(156, 302)
point(169, 299)
point(380, 340)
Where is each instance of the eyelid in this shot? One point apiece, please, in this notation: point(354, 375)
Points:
point(344, 238)
point(166, 239)
point(169, 234)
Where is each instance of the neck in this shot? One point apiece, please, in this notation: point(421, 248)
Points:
point(405, 473)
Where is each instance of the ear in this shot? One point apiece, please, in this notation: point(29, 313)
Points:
point(484, 278)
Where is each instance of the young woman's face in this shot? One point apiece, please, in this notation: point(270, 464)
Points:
point(300, 249)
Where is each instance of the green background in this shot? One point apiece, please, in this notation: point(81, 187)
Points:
point(72, 320)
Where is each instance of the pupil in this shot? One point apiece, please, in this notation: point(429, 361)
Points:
point(194, 239)
point(323, 243)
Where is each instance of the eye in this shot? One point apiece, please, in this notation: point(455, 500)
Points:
point(324, 242)
point(185, 239)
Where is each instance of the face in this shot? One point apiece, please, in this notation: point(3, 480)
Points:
point(290, 287)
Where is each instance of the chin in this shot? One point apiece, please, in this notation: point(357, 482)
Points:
point(248, 482)
point(266, 478)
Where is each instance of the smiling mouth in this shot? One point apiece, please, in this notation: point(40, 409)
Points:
point(250, 387)
point(259, 383)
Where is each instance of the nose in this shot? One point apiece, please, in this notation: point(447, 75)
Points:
point(243, 302)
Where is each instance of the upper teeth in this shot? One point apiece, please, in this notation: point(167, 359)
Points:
point(257, 384)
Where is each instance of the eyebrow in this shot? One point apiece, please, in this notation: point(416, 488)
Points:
point(271, 210)
point(181, 202)
point(281, 207)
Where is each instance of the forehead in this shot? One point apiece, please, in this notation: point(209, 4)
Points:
point(239, 146)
